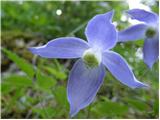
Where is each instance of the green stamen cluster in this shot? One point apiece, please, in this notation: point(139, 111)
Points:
point(90, 60)
point(150, 32)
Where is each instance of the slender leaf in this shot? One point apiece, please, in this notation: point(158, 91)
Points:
point(108, 108)
point(20, 62)
point(57, 74)
point(44, 82)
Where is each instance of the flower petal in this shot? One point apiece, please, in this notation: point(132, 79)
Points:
point(144, 16)
point(101, 32)
point(132, 33)
point(151, 51)
point(120, 69)
point(83, 85)
point(67, 47)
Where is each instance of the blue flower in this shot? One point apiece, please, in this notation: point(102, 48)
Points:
point(148, 30)
point(88, 72)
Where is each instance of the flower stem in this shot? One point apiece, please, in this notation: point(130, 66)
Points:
point(77, 29)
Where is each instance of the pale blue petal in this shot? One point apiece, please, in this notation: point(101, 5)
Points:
point(83, 85)
point(67, 47)
point(101, 32)
point(132, 33)
point(144, 16)
point(120, 69)
point(151, 51)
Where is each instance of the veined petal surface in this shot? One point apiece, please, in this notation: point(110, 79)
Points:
point(83, 85)
point(151, 51)
point(100, 31)
point(65, 47)
point(132, 33)
point(143, 15)
point(120, 69)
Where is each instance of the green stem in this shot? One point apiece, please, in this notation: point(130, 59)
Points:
point(77, 29)
point(89, 109)
point(46, 113)
point(57, 64)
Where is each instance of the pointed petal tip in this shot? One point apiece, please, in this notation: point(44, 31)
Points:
point(143, 15)
point(140, 85)
point(33, 50)
point(128, 11)
point(30, 48)
point(149, 65)
point(73, 112)
point(110, 14)
point(131, 10)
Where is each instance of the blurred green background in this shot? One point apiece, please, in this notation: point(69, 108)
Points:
point(34, 87)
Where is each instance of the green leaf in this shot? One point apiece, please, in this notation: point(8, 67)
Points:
point(57, 74)
point(48, 112)
point(108, 108)
point(138, 104)
point(139, 43)
point(6, 88)
point(17, 81)
point(20, 62)
point(155, 107)
point(44, 82)
point(61, 96)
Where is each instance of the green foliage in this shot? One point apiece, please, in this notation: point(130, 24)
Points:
point(109, 109)
point(20, 62)
point(18, 80)
point(42, 112)
point(44, 82)
point(59, 75)
point(60, 96)
point(138, 104)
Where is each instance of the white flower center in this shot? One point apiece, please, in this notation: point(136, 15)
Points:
point(92, 57)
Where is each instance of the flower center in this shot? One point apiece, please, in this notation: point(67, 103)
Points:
point(150, 32)
point(92, 58)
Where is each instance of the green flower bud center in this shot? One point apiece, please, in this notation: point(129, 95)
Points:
point(150, 32)
point(91, 59)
